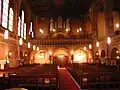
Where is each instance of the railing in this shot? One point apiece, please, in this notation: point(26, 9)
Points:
point(62, 42)
point(116, 38)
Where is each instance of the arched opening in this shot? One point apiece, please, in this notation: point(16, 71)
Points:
point(60, 57)
point(103, 56)
point(115, 56)
point(80, 56)
point(97, 59)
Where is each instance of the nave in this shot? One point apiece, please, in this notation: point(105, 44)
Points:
point(37, 77)
point(51, 77)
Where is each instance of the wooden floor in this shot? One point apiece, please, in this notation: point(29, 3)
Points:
point(66, 81)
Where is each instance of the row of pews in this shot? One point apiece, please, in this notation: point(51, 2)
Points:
point(95, 76)
point(43, 77)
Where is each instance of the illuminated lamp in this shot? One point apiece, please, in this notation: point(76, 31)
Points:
point(6, 34)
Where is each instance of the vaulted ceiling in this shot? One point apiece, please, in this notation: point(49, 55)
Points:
point(68, 8)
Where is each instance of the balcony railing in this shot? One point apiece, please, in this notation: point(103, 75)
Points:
point(116, 39)
point(60, 42)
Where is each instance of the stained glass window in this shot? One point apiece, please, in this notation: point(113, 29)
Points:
point(5, 13)
point(25, 31)
point(22, 25)
point(10, 19)
point(30, 28)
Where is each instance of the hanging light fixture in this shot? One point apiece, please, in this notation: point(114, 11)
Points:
point(29, 45)
point(6, 34)
point(20, 41)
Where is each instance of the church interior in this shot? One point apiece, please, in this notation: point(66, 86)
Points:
point(59, 45)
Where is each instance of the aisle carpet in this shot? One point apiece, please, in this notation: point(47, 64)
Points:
point(66, 81)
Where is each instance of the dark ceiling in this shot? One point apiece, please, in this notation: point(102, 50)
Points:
point(61, 7)
point(68, 8)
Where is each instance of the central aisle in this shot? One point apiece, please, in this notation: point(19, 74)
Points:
point(66, 81)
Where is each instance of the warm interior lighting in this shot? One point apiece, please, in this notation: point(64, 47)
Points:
point(34, 47)
point(117, 25)
point(6, 34)
point(32, 34)
point(97, 53)
point(117, 51)
point(7, 61)
point(60, 56)
point(90, 46)
point(85, 48)
point(26, 54)
point(54, 30)
point(109, 40)
point(20, 41)
point(28, 44)
point(14, 74)
point(41, 57)
point(77, 30)
point(10, 53)
point(2, 66)
point(80, 29)
point(97, 44)
point(118, 57)
point(50, 52)
point(84, 79)
point(72, 52)
point(47, 80)
point(67, 30)
point(41, 31)
point(79, 56)
point(38, 49)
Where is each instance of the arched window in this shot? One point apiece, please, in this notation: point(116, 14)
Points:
point(22, 32)
point(22, 24)
point(25, 31)
point(10, 19)
point(31, 32)
point(30, 28)
point(5, 13)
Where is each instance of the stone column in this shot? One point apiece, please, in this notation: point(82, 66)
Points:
point(94, 29)
point(108, 6)
point(15, 28)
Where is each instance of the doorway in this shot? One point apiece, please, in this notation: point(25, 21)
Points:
point(61, 60)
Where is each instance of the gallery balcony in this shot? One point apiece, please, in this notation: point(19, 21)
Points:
point(61, 42)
